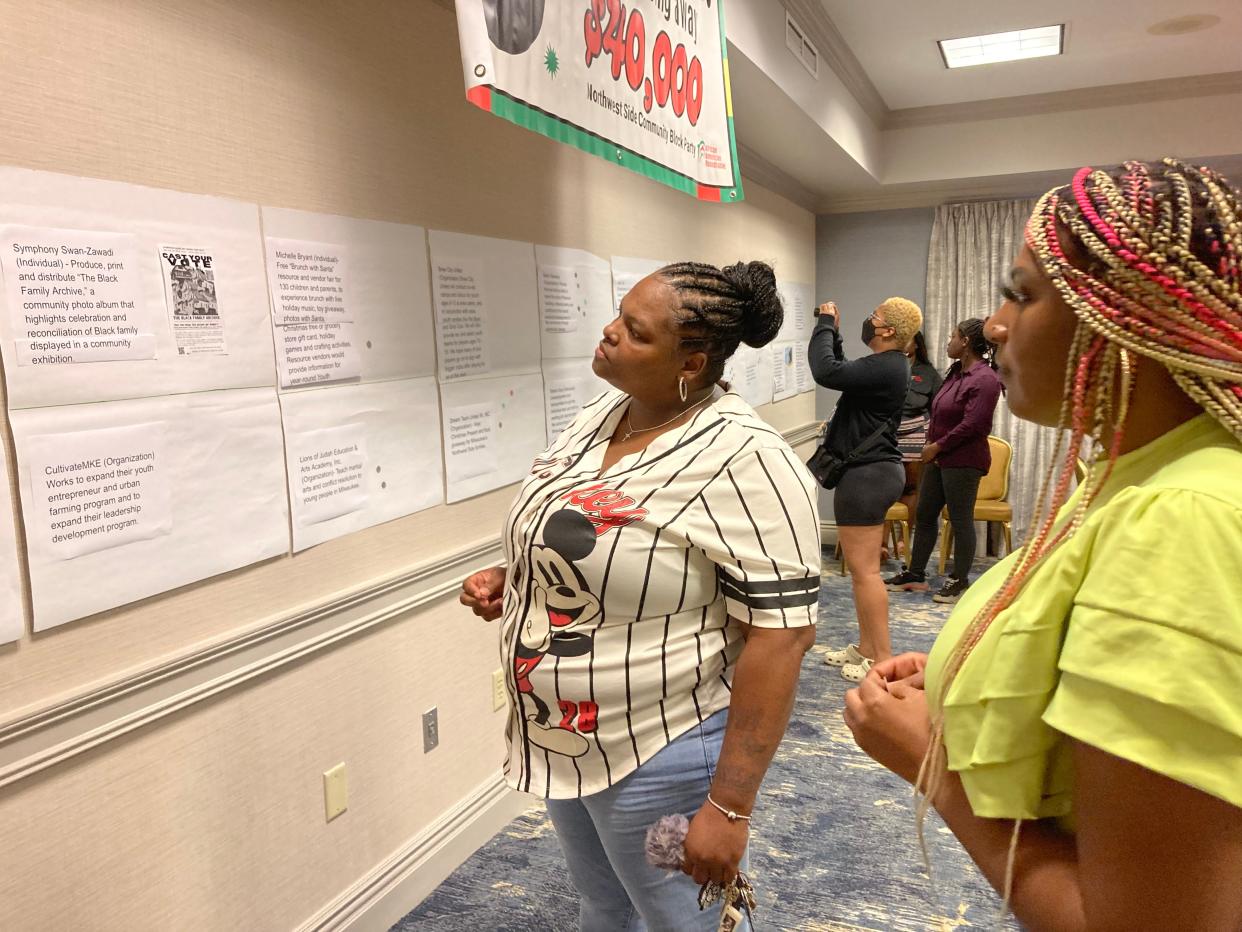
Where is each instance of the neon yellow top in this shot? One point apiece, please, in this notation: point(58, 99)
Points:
point(1128, 638)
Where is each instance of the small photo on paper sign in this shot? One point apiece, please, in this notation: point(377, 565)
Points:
point(189, 277)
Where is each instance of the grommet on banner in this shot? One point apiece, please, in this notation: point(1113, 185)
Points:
point(480, 70)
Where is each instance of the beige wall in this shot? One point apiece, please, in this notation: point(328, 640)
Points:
point(1192, 127)
point(160, 764)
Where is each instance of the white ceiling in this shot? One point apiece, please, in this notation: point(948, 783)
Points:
point(1107, 43)
point(885, 125)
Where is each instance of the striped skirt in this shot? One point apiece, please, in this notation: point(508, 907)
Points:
point(912, 437)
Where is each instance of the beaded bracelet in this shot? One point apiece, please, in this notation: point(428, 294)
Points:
point(728, 813)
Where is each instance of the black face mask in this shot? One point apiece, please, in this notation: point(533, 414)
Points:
point(868, 331)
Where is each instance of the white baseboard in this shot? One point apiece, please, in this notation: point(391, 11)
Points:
point(827, 534)
point(403, 880)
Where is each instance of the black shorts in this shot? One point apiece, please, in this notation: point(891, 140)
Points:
point(865, 493)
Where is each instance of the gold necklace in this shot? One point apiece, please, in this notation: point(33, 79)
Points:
point(630, 432)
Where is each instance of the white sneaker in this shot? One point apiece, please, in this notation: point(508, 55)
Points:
point(857, 672)
point(839, 658)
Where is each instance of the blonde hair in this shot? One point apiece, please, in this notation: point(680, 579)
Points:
point(1162, 245)
point(904, 316)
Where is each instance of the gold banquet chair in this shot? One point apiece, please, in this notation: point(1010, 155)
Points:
point(991, 503)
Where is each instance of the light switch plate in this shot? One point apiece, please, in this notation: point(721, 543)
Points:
point(431, 729)
point(335, 792)
point(499, 696)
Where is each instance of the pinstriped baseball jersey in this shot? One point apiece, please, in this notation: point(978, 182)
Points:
point(618, 631)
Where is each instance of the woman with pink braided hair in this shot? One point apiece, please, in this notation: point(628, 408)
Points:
point(1078, 724)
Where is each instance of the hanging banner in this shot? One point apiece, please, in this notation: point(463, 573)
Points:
point(645, 86)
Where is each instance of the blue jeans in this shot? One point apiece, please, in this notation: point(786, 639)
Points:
point(604, 836)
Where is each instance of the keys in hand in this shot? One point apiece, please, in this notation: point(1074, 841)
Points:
point(739, 901)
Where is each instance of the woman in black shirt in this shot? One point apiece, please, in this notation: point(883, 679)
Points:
point(873, 392)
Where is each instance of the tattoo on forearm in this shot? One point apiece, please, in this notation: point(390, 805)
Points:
point(757, 719)
point(737, 779)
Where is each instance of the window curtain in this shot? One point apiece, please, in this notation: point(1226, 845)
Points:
point(972, 248)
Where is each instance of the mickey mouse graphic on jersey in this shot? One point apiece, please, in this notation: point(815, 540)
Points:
point(561, 606)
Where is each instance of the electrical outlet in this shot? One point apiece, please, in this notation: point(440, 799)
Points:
point(335, 792)
point(431, 730)
point(500, 696)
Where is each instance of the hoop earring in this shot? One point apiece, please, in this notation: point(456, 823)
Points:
point(681, 388)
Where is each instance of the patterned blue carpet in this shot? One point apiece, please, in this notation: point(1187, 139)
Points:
point(832, 848)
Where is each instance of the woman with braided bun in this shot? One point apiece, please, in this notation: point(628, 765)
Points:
point(1078, 723)
point(863, 432)
point(956, 458)
point(660, 590)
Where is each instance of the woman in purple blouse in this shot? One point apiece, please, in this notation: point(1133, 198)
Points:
point(955, 459)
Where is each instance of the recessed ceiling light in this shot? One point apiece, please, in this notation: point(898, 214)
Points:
point(1003, 46)
point(1180, 25)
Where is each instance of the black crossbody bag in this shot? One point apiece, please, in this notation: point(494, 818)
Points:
point(828, 468)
